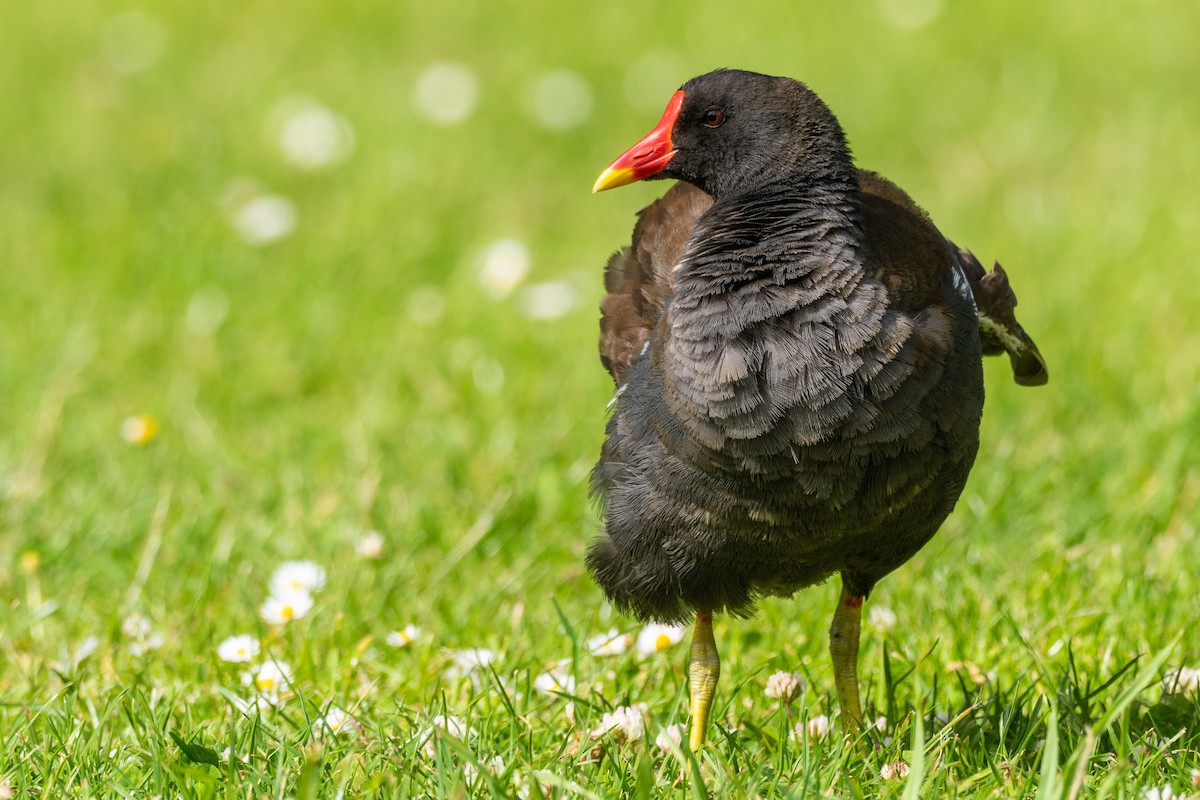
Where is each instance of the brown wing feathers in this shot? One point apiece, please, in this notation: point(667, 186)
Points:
point(638, 277)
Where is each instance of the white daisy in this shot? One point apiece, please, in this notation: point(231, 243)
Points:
point(881, 617)
point(1166, 792)
point(238, 649)
point(546, 301)
point(280, 609)
point(446, 92)
point(403, 637)
point(297, 576)
point(227, 755)
point(370, 545)
point(973, 670)
point(444, 725)
point(336, 721)
point(136, 626)
point(88, 646)
point(654, 637)
point(264, 219)
point(896, 771)
point(493, 766)
point(269, 680)
point(310, 136)
point(503, 264)
point(145, 638)
point(560, 100)
point(613, 643)
point(472, 659)
point(472, 664)
point(140, 429)
point(554, 682)
point(144, 646)
point(1184, 680)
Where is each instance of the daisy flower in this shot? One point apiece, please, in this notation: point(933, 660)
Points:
point(973, 670)
point(472, 664)
point(85, 649)
point(311, 136)
point(555, 681)
point(227, 755)
point(1184, 680)
point(613, 643)
point(370, 545)
point(446, 92)
point(280, 609)
point(403, 637)
point(444, 725)
point(896, 771)
point(139, 629)
point(881, 617)
point(136, 626)
point(493, 766)
point(655, 637)
point(297, 576)
point(336, 721)
point(140, 429)
point(470, 660)
point(502, 266)
point(269, 680)
point(261, 218)
point(238, 649)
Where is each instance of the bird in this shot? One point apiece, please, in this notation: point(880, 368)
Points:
point(797, 358)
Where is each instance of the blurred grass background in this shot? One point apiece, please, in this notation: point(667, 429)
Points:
point(355, 374)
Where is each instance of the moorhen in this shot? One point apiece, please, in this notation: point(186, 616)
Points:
point(797, 354)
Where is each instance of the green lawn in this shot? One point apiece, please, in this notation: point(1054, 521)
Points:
point(272, 228)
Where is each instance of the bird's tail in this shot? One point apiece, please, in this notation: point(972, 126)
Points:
point(998, 327)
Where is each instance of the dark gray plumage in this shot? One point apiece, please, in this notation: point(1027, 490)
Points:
point(797, 351)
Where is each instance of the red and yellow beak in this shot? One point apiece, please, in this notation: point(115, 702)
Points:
point(648, 156)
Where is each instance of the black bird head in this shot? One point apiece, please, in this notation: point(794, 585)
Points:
point(730, 130)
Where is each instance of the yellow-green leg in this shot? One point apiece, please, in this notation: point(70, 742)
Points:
point(703, 671)
point(843, 647)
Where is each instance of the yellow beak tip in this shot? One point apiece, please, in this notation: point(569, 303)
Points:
point(612, 178)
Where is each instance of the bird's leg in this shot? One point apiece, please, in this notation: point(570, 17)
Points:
point(843, 647)
point(703, 671)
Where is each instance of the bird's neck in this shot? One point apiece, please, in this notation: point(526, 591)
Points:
point(752, 304)
point(796, 229)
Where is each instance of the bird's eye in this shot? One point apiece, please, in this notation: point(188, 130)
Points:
point(713, 117)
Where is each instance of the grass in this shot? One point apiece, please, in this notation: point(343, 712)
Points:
point(354, 376)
